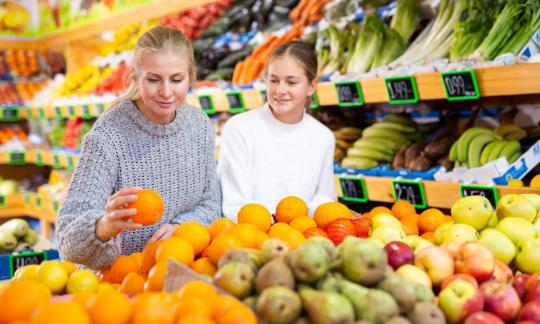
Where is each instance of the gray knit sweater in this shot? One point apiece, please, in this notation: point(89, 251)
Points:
point(125, 149)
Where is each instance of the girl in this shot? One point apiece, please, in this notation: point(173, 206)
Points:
point(148, 139)
point(278, 150)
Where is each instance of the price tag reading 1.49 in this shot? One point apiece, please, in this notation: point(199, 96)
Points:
point(477, 190)
point(401, 90)
point(411, 191)
point(353, 188)
point(236, 101)
point(349, 94)
point(460, 85)
point(17, 261)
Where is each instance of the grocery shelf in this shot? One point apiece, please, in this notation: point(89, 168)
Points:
point(438, 194)
point(58, 160)
point(156, 9)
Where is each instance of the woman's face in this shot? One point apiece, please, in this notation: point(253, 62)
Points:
point(288, 89)
point(163, 83)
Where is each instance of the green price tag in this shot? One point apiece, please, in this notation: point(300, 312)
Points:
point(401, 90)
point(70, 163)
point(100, 108)
point(56, 161)
point(26, 197)
point(86, 112)
point(39, 158)
point(411, 191)
point(71, 111)
point(314, 101)
point(58, 113)
point(349, 94)
point(9, 113)
point(236, 101)
point(263, 95)
point(41, 112)
point(460, 85)
point(2, 201)
point(207, 104)
point(353, 188)
point(38, 201)
point(20, 260)
point(17, 158)
point(56, 205)
point(478, 190)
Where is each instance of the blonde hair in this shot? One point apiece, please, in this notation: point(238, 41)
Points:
point(157, 39)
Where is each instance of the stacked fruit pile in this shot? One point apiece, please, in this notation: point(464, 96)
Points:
point(8, 95)
point(27, 89)
point(115, 83)
point(84, 81)
point(23, 63)
point(16, 236)
point(12, 134)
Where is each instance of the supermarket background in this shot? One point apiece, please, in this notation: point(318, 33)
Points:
point(429, 101)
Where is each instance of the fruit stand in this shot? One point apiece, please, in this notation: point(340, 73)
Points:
point(437, 130)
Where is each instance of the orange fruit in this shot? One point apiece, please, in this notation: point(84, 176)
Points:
point(429, 236)
point(198, 289)
point(289, 208)
point(152, 308)
point(278, 228)
point(194, 306)
point(149, 207)
point(402, 208)
point(204, 266)
point(221, 245)
point(132, 284)
point(247, 234)
point(176, 248)
point(228, 310)
point(261, 238)
point(156, 277)
point(70, 267)
point(19, 298)
point(61, 312)
point(302, 223)
point(83, 297)
point(315, 231)
point(109, 307)
point(195, 319)
point(220, 226)
point(104, 275)
point(123, 265)
point(330, 211)
point(196, 234)
point(293, 238)
point(430, 219)
point(380, 210)
point(255, 214)
point(148, 258)
point(409, 227)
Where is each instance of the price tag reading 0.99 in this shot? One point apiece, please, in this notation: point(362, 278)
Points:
point(460, 85)
point(401, 90)
point(349, 94)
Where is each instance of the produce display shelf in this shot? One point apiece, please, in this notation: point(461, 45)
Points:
point(437, 193)
point(59, 112)
point(143, 12)
point(58, 160)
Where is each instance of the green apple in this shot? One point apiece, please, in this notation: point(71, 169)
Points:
point(376, 241)
point(528, 256)
point(472, 210)
point(413, 274)
point(383, 219)
point(534, 199)
point(536, 225)
point(516, 229)
point(438, 236)
point(460, 233)
point(515, 205)
point(501, 246)
point(459, 299)
point(493, 221)
point(417, 243)
point(388, 234)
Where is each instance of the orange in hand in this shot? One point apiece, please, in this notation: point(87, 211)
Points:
point(149, 207)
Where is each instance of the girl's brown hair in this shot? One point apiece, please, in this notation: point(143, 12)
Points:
point(157, 39)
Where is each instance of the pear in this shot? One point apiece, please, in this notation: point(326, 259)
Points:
point(398, 320)
point(16, 226)
point(356, 294)
point(273, 248)
point(274, 273)
point(324, 242)
point(301, 320)
point(329, 283)
point(422, 293)
point(381, 308)
point(309, 262)
point(337, 261)
point(402, 291)
point(30, 237)
point(8, 241)
point(364, 262)
point(325, 308)
point(278, 305)
point(426, 312)
point(22, 246)
point(236, 278)
point(240, 256)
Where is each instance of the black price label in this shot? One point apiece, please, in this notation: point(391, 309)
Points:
point(10, 113)
point(411, 191)
point(41, 111)
point(17, 261)
point(401, 90)
point(100, 108)
point(477, 190)
point(71, 111)
point(58, 113)
point(70, 163)
point(314, 101)
point(38, 201)
point(56, 161)
point(2, 201)
point(39, 158)
point(17, 158)
point(460, 85)
point(263, 95)
point(56, 205)
point(236, 101)
point(353, 188)
point(86, 114)
point(349, 94)
point(207, 104)
point(27, 199)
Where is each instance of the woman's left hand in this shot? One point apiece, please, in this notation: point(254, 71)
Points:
point(164, 232)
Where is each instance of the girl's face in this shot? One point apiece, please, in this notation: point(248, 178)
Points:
point(163, 83)
point(288, 89)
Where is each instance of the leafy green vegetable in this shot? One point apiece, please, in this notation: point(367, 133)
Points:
point(367, 45)
point(404, 21)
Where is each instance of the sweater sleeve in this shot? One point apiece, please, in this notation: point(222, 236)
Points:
point(326, 189)
point(208, 208)
point(231, 170)
point(92, 183)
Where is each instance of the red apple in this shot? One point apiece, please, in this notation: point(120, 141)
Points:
point(339, 229)
point(501, 299)
point(534, 294)
point(483, 318)
point(530, 312)
point(452, 247)
point(519, 285)
point(475, 259)
point(527, 322)
point(532, 282)
point(459, 299)
point(461, 276)
point(436, 262)
point(399, 254)
point(502, 273)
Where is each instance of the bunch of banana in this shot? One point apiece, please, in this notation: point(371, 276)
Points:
point(511, 132)
point(479, 145)
point(380, 142)
point(345, 137)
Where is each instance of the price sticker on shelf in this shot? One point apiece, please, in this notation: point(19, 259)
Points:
point(460, 85)
point(411, 191)
point(207, 104)
point(263, 95)
point(2, 201)
point(236, 101)
point(17, 158)
point(70, 164)
point(41, 112)
point(17, 261)
point(39, 158)
point(353, 188)
point(56, 205)
point(86, 112)
point(57, 164)
point(27, 199)
point(100, 108)
point(58, 114)
point(38, 201)
point(9, 113)
point(478, 190)
point(349, 94)
point(401, 90)
point(314, 101)
point(71, 111)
